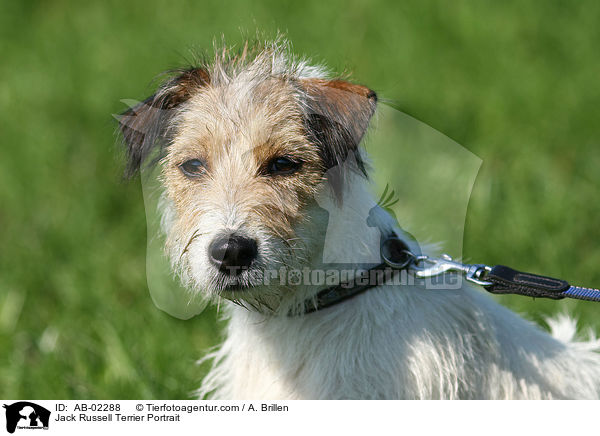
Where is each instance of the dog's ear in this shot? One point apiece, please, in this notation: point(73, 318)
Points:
point(338, 117)
point(144, 125)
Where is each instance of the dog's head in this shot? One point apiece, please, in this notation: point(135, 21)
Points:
point(245, 143)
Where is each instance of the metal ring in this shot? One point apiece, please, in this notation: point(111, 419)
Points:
point(476, 274)
point(402, 248)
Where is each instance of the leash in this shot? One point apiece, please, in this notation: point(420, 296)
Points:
point(498, 279)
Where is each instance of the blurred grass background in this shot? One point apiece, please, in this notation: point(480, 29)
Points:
point(515, 82)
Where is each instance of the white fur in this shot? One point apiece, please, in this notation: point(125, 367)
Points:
point(392, 342)
point(399, 342)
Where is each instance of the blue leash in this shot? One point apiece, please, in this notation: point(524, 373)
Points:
point(580, 293)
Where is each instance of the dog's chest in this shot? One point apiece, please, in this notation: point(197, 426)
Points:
point(326, 356)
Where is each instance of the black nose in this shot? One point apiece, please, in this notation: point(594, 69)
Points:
point(232, 253)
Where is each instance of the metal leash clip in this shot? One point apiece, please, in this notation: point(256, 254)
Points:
point(396, 254)
point(500, 279)
point(436, 266)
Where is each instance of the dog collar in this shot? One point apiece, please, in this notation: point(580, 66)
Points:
point(396, 256)
point(499, 279)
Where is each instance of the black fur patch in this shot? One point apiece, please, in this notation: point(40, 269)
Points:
point(144, 125)
point(335, 142)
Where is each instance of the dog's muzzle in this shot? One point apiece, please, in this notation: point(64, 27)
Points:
point(232, 254)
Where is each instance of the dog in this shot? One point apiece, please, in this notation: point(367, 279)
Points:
point(253, 146)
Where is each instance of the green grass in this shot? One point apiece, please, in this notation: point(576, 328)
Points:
point(514, 82)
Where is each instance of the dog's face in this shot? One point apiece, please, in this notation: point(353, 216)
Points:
point(245, 150)
point(239, 172)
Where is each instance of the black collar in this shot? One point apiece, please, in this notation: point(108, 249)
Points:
point(395, 255)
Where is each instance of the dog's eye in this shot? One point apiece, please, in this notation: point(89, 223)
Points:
point(192, 168)
point(283, 166)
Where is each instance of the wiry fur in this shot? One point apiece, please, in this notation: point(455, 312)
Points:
point(237, 113)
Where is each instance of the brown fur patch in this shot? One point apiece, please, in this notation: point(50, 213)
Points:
point(183, 87)
point(347, 106)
